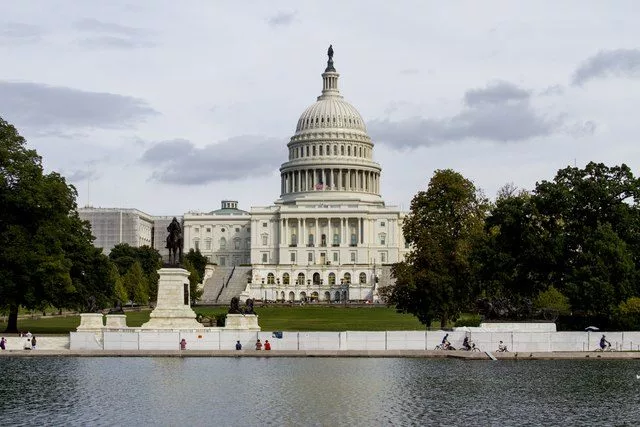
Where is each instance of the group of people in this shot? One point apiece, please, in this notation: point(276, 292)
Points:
point(466, 344)
point(30, 342)
point(259, 345)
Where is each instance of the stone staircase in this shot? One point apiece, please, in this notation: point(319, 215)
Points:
point(214, 284)
point(235, 285)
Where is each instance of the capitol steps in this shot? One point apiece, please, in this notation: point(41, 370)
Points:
point(236, 285)
point(214, 284)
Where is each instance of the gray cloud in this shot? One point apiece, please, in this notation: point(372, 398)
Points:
point(501, 112)
point(80, 175)
point(179, 161)
point(53, 109)
point(552, 91)
point(616, 63)
point(281, 19)
point(110, 35)
point(17, 32)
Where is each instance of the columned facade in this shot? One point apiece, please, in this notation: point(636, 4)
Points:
point(330, 236)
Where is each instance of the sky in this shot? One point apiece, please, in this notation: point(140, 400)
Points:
point(170, 107)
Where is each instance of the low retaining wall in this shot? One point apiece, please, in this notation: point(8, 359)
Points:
point(221, 339)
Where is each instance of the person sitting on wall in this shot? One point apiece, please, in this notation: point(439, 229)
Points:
point(604, 343)
point(258, 345)
point(183, 344)
point(238, 345)
point(267, 345)
point(502, 347)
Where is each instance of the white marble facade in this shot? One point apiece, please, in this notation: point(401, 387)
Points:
point(329, 235)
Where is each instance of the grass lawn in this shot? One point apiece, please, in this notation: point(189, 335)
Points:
point(272, 318)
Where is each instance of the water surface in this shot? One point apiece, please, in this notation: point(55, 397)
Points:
point(316, 391)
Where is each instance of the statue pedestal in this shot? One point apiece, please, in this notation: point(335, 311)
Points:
point(116, 321)
point(173, 308)
point(245, 322)
point(91, 322)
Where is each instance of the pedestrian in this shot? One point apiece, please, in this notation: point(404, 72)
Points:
point(183, 344)
point(33, 342)
point(267, 345)
point(258, 345)
point(238, 345)
point(3, 344)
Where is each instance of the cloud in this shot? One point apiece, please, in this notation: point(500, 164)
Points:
point(282, 19)
point(501, 112)
point(616, 63)
point(179, 161)
point(80, 175)
point(110, 35)
point(54, 109)
point(552, 91)
point(17, 32)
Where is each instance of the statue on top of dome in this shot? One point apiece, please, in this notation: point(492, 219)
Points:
point(330, 52)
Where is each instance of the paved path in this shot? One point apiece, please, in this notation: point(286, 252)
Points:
point(325, 353)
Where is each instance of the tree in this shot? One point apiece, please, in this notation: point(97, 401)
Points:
point(136, 284)
point(198, 261)
point(46, 254)
point(194, 281)
point(552, 303)
point(120, 291)
point(444, 224)
point(125, 255)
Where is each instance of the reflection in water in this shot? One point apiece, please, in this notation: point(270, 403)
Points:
point(315, 391)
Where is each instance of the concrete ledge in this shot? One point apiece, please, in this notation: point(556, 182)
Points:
point(425, 354)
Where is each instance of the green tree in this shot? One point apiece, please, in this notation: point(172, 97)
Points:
point(194, 281)
point(136, 284)
point(198, 261)
point(45, 250)
point(120, 291)
point(444, 224)
point(552, 303)
point(125, 255)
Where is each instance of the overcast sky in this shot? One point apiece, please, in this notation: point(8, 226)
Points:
point(173, 106)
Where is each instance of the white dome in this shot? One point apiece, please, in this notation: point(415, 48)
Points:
point(332, 113)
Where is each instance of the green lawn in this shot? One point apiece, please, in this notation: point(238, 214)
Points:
point(271, 318)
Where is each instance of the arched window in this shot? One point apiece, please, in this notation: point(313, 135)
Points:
point(342, 150)
point(223, 243)
point(265, 240)
point(316, 278)
point(337, 297)
point(196, 244)
point(285, 279)
point(383, 239)
point(349, 150)
point(328, 151)
point(347, 278)
point(335, 150)
point(236, 243)
point(292, 296)
point(310, 240)
point(313, 149)
point(336, 239)
point(271, 279)
point(207, 244)
point(332, 278)
point(320, 148)
point(354, 239)
point(300, 279)
point(247, 243)
point(363, 278)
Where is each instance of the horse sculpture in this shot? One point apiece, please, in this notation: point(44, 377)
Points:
point(174, 242)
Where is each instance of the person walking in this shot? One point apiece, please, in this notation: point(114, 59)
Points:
point(238, 345)
point(258, 345)
point(33, 342)
point(267, 345)
point(3, 344)
point(183, 344)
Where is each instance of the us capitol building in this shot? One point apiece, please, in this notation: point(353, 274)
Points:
point(328, 237)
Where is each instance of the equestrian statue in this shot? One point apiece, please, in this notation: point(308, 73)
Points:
point(175, 242)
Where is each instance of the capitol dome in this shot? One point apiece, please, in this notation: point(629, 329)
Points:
point(330, 153)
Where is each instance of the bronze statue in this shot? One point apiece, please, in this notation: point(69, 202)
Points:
point(330, 52)
point(248, 309)
point(174, 242)
point(234, 308)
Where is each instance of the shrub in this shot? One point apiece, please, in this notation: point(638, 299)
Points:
point(472, 320)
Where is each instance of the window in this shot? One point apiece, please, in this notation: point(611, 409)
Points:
point(310, 257)
point(336, 239)
point(223, 243)
point(383, 239)
point(313, 150)
point(293, 257)
point(285, 279)
point(196, 230)
point(310, 239)
point(207, 244)
point(353, 257)
point(294, 239)
point(300, 279)
point(354, 239)
point(265, 240)
point(223, 230)
point(264, 224)
point(270, 279)
point(248, 229)
point(320, 150)
point(208, 229)
point(382, 223)
point(247, 243)
point(383, 257)
point(236, 243)
point(323, 240)
point(237, 230)
point(264, 258)
point(196, 244)
point(223, 261)
point(335, 150)
point(347, 278)
point(363, 278)
point(335, 257)
point(332, 278)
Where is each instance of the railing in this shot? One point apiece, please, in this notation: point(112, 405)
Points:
point(225, 284)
